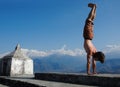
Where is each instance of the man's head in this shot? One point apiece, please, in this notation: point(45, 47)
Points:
point(99, 56)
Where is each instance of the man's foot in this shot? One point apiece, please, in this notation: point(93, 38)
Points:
point(91, 5)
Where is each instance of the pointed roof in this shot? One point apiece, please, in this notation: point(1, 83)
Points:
point(17, 53)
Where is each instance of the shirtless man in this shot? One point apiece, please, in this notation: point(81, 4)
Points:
point(88, 36)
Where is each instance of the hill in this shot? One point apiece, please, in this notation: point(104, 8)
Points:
point(110, 66)
point(59, 63)
point(72, 64)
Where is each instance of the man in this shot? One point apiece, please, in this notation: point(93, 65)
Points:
point(88, 45)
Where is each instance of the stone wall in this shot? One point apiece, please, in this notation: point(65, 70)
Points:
point(16, 83)
point(96, 80)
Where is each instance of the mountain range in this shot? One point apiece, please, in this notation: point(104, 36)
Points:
point(58, 63)
point(110, 66)
point(73, 64)
point(72, 60)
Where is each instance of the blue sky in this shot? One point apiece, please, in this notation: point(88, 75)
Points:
point(51, 24)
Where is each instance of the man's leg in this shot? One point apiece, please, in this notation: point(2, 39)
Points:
point(92, 13)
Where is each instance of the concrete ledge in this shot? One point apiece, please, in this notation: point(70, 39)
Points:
point(107, 80)
point(16, 83)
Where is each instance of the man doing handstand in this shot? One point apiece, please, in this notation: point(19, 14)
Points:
point(88, 45)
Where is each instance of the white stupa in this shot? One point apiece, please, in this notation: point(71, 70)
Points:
point(16, 63)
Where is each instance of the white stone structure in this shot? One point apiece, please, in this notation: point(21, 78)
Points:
point(16, 63)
